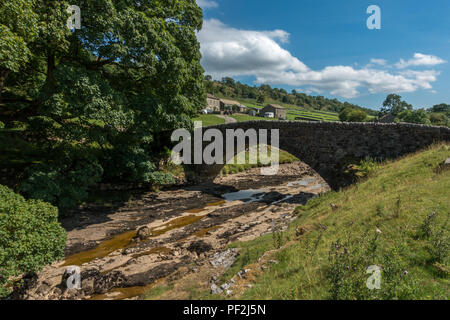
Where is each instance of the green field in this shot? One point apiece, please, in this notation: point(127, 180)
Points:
point(209, 119)
point(246, 117)
point(294, 111)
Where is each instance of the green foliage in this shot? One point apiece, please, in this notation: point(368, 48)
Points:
point(439, 246)
point(394, 105)
point(133, 164)
point(265, 93)
point(129, 74)
point(63, 182)
point(425, 228)
point(438, 238)
point(414, 116)
point(367, 166)
point(18, 27)
point(363, 219)
point(278, 239)
point(439, 119)
point(347, 274)
point(30, 236)
point(437, 115)
point(443, 107)
point(352, 115)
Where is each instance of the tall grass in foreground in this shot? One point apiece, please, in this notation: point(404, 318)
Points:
point(396, 219)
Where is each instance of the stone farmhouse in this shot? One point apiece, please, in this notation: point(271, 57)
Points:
point(278, 111)
point(213, 103)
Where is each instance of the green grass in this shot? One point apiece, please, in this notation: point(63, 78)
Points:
point(231, 167)
point(291, 110)
point(395, 199)
point(156, 291)
point(209, 120)
point(312, 115)
point(245, 117)
point(292, 115)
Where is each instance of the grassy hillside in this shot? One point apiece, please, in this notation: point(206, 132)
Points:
point(228, 87)
point(209, 120)
point(397, 219)
point(294, 111)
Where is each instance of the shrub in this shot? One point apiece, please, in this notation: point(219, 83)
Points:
point(414, 116)
point(426, 228)
point(134, 164)
point(30, 237)
point(347, 274)
point(439, 246)
point(351, 114)
point(63, 184)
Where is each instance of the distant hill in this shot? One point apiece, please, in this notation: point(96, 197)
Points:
point(257, 96)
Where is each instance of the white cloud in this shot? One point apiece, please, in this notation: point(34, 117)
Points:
point(232, 52)
point(379, 62)
point(205, 4)
point(420, 59)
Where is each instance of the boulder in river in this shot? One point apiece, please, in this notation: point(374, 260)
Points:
point(143, 233)
point(199, 247)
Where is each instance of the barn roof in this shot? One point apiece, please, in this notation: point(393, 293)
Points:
point(210, 96)
point(276, 106)
point(232, 102)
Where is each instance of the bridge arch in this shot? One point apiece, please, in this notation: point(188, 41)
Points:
point(325, 145)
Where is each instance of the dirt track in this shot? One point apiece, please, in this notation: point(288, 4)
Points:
point(123, 251)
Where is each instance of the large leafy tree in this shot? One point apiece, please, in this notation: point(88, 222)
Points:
point(99, 96)
point(394, 105)
point(18, 27)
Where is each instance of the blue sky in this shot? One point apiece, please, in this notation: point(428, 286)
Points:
point(324, 47)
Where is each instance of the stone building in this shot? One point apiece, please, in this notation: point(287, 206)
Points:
point(213, 103)
point(227, 105)
point(278, 111)
point(388, 118)
point(240, 108)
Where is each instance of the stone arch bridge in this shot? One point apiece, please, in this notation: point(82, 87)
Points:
point(326, 146)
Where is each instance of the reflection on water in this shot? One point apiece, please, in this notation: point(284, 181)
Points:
point(304, 182)
point(175, 224)
point(123, 240)
point(103, 249)
point(249, 195)
point(123, 293)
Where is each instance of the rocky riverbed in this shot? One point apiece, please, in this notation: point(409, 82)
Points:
point(124, 250)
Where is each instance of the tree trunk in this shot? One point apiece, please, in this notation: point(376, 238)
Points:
point(3, 75)
point(50, 66)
